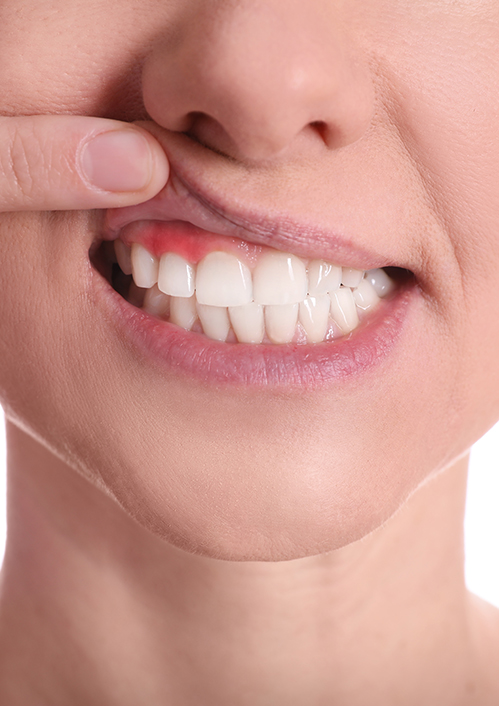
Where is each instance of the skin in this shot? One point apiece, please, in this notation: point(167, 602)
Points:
point(172, 541)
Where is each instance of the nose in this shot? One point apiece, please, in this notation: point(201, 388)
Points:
point(248, 77)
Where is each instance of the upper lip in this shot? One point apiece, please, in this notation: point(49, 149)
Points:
point(185, 199)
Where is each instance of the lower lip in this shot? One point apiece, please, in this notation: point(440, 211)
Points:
point(290, 366)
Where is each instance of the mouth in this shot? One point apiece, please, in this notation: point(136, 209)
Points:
point(236, 297)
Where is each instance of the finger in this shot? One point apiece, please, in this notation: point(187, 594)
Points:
point(56, 162)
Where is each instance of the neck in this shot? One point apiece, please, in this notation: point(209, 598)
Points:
point(98, 610)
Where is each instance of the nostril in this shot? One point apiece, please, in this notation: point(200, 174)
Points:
point(321, 128)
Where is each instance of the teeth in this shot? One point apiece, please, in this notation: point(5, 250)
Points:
point(157, 303)
point(314, 317)
point(144, 267)
point(365, 295)
point(351, 277)
point(222, 293)
point(183, 312)
point(323, 277)
point(176, 275)
point(124, 256)
point(223, 280)
point(281, 320)
point(381, 282)
point(279, 278)
point(343, 309)
point(215, 321)
point(248, 322)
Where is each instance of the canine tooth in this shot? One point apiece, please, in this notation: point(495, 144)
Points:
point(215, 321)
point(248, 322)
point(157, 303)
point(176, 276)
point(279, 278)
point(314, 317)
point(145, 267)
point(124, 256)
point(365, 295)
point(383, 284)
point(280, 321)
point(323, 277)
point(223, 280)
point(343, 309)
point(183, 311)
point(350, 277)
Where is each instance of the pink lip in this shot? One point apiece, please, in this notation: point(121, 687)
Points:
point(179, 201)
point(290, 366)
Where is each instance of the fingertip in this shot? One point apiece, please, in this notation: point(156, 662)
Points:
point(124, 161)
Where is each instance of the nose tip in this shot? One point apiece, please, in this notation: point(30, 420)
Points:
point(250, 80)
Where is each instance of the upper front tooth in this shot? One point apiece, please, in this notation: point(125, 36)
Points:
point(144, 267)
point(223, 280)
point(323, 277)
point(351, 277)
point(279, 278)
point(381, 282)
point(124, 257)
point(365, 295)
point(343, 309)
point(176, 275)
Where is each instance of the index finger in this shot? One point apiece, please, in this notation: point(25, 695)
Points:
point(56, 162)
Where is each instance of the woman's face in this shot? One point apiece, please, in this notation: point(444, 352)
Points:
point(361, 131)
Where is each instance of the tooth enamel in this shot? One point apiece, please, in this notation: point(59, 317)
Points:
point(314, 317)
point(183, 311)
point(124, 256)
point(223, 280)
point(323, 277)
point(365, 295)
point(350, 277)
point(248, 322)
point(381, 282)
point(280, 321)
point(145, 267)
point(176, 276)
point(220, 293)
point(157, 303)
point(343, 309)
point(215, 321)
point(279, 278)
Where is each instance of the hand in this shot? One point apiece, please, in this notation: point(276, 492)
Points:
point(56, 162)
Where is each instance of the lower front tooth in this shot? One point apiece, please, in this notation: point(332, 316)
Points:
point(280, 321)
point(248, 322)
point(343, 309)
point(314, 317)
point(157, 303)
point(183, 311)
point(215, 321)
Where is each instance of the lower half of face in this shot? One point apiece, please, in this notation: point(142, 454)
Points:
point(268, 440)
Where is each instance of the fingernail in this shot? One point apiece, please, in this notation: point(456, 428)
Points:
point(120, 160)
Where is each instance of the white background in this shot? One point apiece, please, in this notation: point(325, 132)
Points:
point(481, 523)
